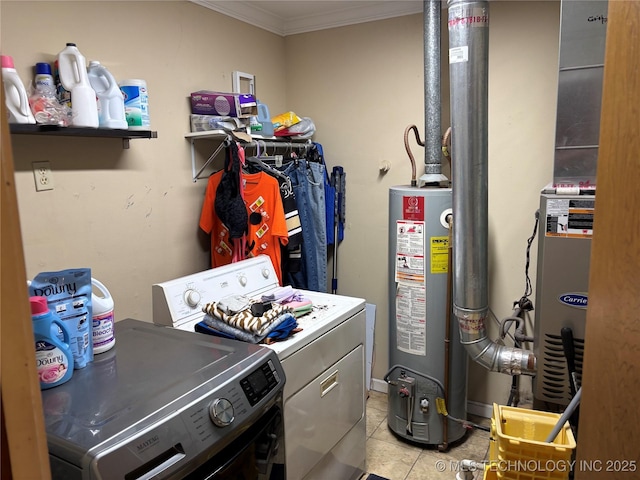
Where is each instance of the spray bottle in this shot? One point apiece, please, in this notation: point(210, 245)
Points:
point(54, 359)
point(72, 73)
point(15, 94)
point(110, 97)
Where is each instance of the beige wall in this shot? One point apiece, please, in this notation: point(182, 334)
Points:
point(131, 215)
point(363, 85)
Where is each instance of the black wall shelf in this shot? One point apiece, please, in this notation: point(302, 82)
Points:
point(54, 130)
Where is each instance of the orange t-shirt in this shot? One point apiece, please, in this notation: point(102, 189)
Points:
point(267, 224)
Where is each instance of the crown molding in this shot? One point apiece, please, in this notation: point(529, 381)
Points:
point(349, 13)
point(246, 13)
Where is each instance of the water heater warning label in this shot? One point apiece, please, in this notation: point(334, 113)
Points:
point(409, 251)
point(411, 314)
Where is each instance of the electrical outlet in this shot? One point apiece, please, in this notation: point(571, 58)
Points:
point(42, 176)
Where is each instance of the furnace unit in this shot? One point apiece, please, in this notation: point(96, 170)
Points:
point(564, 248)
point(567, 206)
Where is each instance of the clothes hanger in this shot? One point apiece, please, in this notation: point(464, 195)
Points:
point(258, 161)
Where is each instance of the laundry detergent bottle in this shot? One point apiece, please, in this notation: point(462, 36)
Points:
point(102, 319)
point(15, 94)
point(72, 73)
point(110, 97)
point(54, 360)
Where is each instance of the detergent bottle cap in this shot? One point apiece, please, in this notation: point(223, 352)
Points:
point(43, 68)
point(38, 305)
point(7, 61)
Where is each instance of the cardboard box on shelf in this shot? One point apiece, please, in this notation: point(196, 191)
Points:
point(240, 105)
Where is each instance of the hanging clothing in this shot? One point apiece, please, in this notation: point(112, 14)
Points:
point(229, 201)
point(307, 179)
point(266, 229)
point(292, 252)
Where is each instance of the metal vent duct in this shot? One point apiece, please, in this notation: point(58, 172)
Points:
point(468, 68)
point(432, 97)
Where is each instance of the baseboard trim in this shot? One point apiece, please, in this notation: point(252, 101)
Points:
point(474, 408)
point(479, 409)
point(378, 385)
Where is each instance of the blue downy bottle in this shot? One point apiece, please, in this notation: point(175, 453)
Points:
point(54, 359)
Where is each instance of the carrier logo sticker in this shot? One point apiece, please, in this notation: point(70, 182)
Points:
point(577, 300)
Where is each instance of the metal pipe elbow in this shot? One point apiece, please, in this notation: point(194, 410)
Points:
point(494, 357)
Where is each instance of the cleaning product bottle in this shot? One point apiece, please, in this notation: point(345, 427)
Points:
point(43, 102)
point(15, 94)
point(103, 320)
point(110, 97)
point(44, 80)
point(54, 359)
point(72, 72)
point(265, 120)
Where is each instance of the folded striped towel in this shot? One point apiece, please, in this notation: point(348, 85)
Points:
point(245, 320)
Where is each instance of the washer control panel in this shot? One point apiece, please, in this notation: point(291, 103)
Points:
point(221, 412)
point(260, 382)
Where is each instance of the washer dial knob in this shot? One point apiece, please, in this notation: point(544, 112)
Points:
point(266, 272)
point(191, 297)
point(221, 412)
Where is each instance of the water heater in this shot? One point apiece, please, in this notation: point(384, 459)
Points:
point(421, 347)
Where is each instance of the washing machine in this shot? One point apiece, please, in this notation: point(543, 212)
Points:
point(324, 364)
point(168, 405)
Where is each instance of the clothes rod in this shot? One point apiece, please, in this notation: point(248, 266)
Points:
point(266, 144)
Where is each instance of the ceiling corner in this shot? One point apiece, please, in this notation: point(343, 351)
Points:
point(299, 16)
point(247, 13)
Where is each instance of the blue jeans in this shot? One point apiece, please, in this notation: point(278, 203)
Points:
point(307, 180)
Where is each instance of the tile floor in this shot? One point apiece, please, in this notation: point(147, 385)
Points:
point(390, 457)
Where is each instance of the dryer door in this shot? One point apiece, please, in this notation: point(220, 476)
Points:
point(322, 413)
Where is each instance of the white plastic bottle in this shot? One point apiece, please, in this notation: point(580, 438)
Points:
point(15, 94)
point(72, 69)
point(110, 97)
point(102, 319)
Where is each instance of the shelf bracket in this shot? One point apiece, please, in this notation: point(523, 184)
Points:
point(125, 143)
point(196, 175)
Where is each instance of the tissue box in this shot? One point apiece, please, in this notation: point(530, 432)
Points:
point(204, 102)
